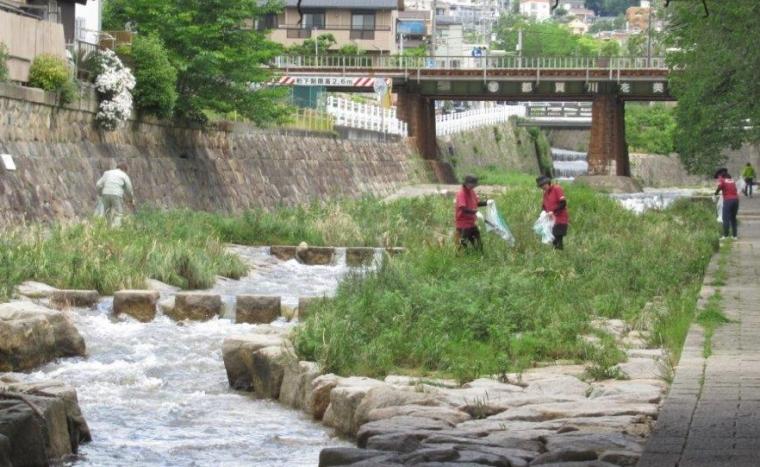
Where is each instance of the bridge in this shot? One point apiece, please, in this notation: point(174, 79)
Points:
point(606, 82)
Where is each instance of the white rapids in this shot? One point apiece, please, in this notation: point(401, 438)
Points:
point(156, 394)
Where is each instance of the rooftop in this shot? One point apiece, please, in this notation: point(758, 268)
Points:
point(353, 4)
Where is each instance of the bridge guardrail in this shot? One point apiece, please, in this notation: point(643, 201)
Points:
point(389, 62)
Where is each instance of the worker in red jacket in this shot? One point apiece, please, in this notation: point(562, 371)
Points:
point(727, 185)
point(465, 214)
point(555, 204)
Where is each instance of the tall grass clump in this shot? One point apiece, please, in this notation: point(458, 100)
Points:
point(437, 309)
point(90, 255)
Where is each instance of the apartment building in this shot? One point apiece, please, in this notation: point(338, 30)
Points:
point(369, 24)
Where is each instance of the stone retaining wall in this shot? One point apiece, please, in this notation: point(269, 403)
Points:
point(60, 154)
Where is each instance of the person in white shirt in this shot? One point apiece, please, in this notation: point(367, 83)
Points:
point(112, 187)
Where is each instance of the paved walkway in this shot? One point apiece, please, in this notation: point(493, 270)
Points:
point(711, 416)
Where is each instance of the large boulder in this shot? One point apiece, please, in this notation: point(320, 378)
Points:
point(318, 396)
point(296, 383)
point(40, 423)
point(74, 298)
point(139, 304)
point(237, 352)
point(384, 396)
point(256, 309)
point(196, 306)
point(344, 400)
point(31, 335)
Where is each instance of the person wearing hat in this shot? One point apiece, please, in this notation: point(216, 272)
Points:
point(555, 204)
point(465, 214)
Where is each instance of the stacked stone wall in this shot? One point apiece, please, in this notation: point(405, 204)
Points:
point(59, 154)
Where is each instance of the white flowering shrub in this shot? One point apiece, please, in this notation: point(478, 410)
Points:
point(114, 85)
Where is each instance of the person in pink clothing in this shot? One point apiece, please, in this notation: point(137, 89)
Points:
point(555, 204)
point(465, 214)
point(727, 186)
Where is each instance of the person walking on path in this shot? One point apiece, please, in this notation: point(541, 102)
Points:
point(555, 204)
point(112, 187)
point(748, 174)
point(465, 214)
point(727, 186)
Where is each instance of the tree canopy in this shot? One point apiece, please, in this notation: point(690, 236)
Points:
point(714, 61)
point(610, 7)
point(550, 39)
point(217, 53)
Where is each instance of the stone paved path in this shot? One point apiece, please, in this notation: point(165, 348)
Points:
point(711, 416)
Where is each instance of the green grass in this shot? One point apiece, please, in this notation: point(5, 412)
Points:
point(710, 318)
point(437, 310)
point(92, 256)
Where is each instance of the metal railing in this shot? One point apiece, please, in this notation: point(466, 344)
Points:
point(390, 62)
point(375, 118)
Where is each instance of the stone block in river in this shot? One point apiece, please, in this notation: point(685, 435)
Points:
point(284, 253)
point(33, 290)
point(196, 306)
point(296, 383)
point(344, 401)
point(318, 396)
point(256, 309)
point(315, 255)
point(74, 298)
point(237, 352)
point(31, 335)
point(40, 423)
point(305, 304)
point(139, 304)
point(268, 371)
point(356, 257)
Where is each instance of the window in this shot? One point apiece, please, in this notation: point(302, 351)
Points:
point(314, 19)
point(268, 21)
point(363, 21)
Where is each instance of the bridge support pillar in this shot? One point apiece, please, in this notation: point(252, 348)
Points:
point(608, 151)
point(419, 114)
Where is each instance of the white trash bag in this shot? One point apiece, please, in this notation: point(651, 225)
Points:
point(741, 185)
point(495, 223)
point(719, 206)
point(543, 227)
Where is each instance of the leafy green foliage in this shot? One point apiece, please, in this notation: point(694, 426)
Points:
point(714, 64)
point(650, 128)
point(616, 24)
point(465, 314)
point(217, 54)
point(550, 39)
point(52, 73)
point(3, 63)
point(155, 92)
point(94, 256)
point(311, 46)
point(610, 7)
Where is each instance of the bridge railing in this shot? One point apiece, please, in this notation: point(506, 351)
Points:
point(559, 109)
point(462, 121)
point(398, 63)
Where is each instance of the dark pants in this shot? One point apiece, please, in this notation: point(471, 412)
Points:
point(469, 236)
point(730, 209)
point(559, 231)
point(748, 186)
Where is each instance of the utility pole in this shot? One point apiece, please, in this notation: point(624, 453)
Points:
point(519, 46)
point(433, 29)
point(316, 42)
point(649, 35)
point(401, 44)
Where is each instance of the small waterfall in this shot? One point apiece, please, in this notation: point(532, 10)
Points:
point(340, 257)
point(569, 164)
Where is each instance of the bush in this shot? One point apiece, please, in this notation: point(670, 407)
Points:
point(650, 128)
point(155, 92)
point(52, 73)
point(3, 63)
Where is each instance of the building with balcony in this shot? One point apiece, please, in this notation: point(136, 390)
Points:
point(413, 29)
point(539, 10)
point(369, 24)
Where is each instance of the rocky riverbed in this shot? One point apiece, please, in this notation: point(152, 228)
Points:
point(550, 415)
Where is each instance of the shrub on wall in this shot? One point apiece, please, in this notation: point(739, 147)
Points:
point(52, 73)
point(3, 62)
point(114, 85)
point(155, 92)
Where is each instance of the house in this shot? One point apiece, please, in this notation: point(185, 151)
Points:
point(539, 10)
point(413, 29)
point(578, 27)
point(449, 41)
point(368, 24)
point(637, 17)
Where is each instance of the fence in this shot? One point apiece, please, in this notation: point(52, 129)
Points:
point(559, 109)
point(374, 118)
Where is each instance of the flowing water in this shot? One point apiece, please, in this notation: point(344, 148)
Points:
point(569, 164)
point(156, 394)
point(652, 198)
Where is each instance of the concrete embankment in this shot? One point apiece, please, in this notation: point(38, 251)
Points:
point(59, 155)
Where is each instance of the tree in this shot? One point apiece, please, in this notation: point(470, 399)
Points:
point(549, 39)
point(218, 55)
point(156, 90)
point(320, 46)
point(714, 63)
point(610, 7)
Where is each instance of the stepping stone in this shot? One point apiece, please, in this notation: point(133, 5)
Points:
point(195, 306)
point(359, 256)
point(61, 299)
point(256, 309)
point(139, 304)
point(284, 253)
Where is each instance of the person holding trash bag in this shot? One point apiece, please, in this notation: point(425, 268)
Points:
point(730, 204)
point(555, 204)
point(465, 214)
